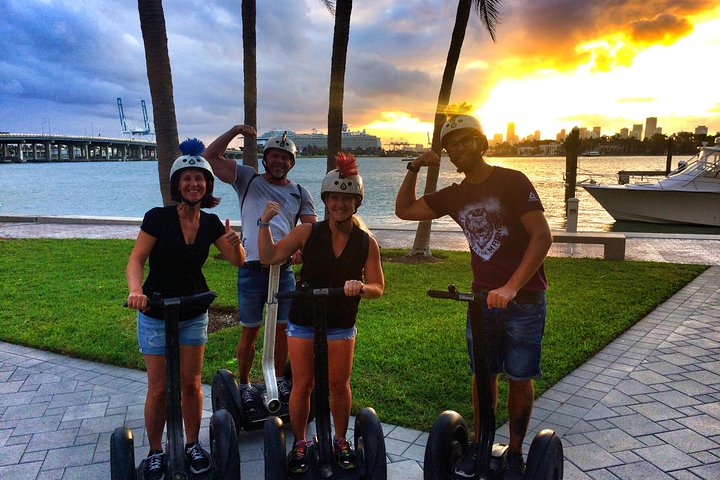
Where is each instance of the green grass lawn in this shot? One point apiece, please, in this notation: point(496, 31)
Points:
point(411, 363)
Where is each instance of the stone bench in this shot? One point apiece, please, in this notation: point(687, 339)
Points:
point(614, 243)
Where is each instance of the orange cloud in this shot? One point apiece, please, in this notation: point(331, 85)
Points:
point(663, 29)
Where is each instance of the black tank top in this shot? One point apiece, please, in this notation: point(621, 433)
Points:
point(322, 270)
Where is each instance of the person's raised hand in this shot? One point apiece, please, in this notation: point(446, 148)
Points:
point(271, 209)
point(231, 235)
point(246, 130)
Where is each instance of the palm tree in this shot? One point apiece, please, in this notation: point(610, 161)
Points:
point(488, 11)
point(250, 78)
point(152, 24)
point(341, 37)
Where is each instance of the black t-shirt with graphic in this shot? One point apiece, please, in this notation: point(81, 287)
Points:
point(489, 215)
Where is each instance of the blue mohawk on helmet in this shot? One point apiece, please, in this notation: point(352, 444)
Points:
point(192, 146)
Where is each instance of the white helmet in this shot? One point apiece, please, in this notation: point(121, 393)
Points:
point(335, 182)
point(191, 150)
point(283, 143)
point(190, 158)
point(460, 122)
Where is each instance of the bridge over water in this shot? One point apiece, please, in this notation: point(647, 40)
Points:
point(29, 147)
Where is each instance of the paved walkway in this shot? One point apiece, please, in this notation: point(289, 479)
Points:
point(645, 407)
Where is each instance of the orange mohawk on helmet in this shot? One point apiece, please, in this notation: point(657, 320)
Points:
point(346, 164)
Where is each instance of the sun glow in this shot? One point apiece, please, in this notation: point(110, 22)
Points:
point(397, 126)
point(625, 77)
point(620, 84)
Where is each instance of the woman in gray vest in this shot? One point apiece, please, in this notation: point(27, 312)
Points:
point(337, 252)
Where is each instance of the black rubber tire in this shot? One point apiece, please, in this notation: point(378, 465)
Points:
point(225, 395)
point(122, 455)
point(545, 459)
point(370, 444)
point(224, 446)
point(275, 457)
point(447, 442)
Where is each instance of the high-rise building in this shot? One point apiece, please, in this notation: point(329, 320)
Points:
point(623, 133)
point(650, 126)
point(536, 135)
point(637, 131)
point(701, 130)
point(584, 133)
point(595, 132)
point(510, 136)
point(561, 135)
point(497, 139)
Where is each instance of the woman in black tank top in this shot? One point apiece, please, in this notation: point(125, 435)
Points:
point(338, 252)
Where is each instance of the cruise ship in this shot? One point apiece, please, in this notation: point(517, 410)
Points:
point(360, 140)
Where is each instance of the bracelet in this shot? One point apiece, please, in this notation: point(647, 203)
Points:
point(262, 224)
point(413, 168)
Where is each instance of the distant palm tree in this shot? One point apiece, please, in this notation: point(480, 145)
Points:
point(341, 37)
point(152, 24)
point(488, 11)
point(250, 153)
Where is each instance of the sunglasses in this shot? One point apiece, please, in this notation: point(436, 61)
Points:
point(463, 142)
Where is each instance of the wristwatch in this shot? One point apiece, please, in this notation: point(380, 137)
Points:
point(412, 168)
point(262, 224)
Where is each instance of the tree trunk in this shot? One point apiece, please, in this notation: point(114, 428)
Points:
point(250, 153)
point(341, 37)
point(421, 246)
point(152, 24)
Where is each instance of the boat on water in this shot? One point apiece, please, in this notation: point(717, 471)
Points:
point(591, 153)
point(688, 195)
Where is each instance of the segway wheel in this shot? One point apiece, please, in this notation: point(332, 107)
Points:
point(275, 459)
point(224, 446)
point(545, 457)
point(226, 396)
point(370, 444)
point(447, 442)
point(122, 455)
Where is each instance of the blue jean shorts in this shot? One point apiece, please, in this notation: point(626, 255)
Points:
point(512, 338)
point(253, 292)
point(151, 333)
point(301, 331)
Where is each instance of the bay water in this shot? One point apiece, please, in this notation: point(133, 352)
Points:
point(129, 189)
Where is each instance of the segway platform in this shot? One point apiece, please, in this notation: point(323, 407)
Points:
point(449, 438)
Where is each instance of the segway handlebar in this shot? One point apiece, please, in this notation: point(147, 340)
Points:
point(312, 292)
point(186, 301)
point(452, 294)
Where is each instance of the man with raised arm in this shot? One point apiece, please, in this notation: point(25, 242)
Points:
point(254, 191)
point(502, 217)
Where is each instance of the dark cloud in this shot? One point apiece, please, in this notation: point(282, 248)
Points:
point(545, 34)
point(661, 29)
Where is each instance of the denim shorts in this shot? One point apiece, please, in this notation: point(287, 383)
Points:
point(512, 338)
point(151, 333)
point(301, 331)
point(253, 292)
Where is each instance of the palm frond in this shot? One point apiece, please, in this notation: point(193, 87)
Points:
point(329, 5)
point(489, 12)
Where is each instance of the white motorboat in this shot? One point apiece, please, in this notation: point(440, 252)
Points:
point(688, 195)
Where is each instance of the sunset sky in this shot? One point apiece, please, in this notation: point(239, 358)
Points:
point(556, 64)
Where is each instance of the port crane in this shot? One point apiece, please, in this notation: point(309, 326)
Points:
point(128, 129)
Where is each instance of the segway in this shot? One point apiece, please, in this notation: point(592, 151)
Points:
point(449, 439)
point(225, 454)
point(226, 390)
point(369, 438)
